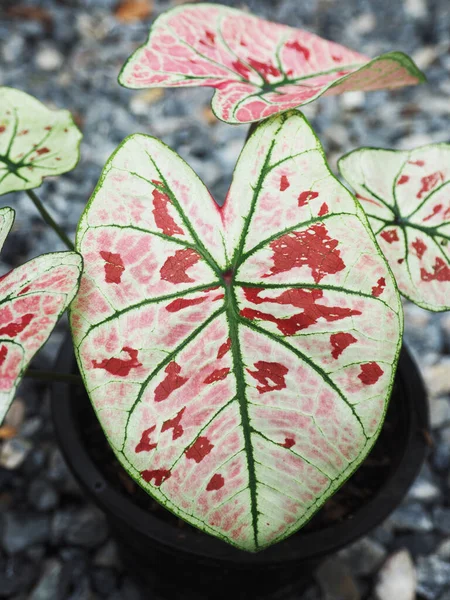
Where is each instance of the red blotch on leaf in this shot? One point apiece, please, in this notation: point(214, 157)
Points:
point(336, 58)
point(242, 69)
point(114, 266)
point(284, 183)
point(48, 128)
point(210, 39)
point(305, 299)
point(323, 210)
point(215, 483)
point(288, 443)
point(160, 211)
point(24, 132)
point(224, 348)
point(270, 375)
point(403, 179)
point(299, 48)
point(400, 261)
point(2, 128)
point(42, 151)
point(175, 267)
point(312, 247)
point(441, 272)
point(263, 68)
point(3, 354)
point(175, 424)
point(217, 375)
point(172, 382)
point(390, 236)
point(436, 209)
point(118, 366)
point(418, 163)
point(199, 449)
point(24, 290)
point(340, 341)
point(13, 329)
point(145, 445)
point(181, 303)
point(306, 196)
point(370, 373)
point(159, 475)
point(378, 289)
point(429, 182)
point(420, 247)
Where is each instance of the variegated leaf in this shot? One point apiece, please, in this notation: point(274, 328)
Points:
point(258, 68)
point(32, 298)
point(35, 142)
point(239, 358)
point(406, 195)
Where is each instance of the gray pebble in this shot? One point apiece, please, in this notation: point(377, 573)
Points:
point(411, 517)
point(21, 530)
point(42, 495)
point(88, 529)
point(433, 576)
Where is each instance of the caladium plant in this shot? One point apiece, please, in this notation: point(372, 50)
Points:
point(239, 358)
point(257, 68)
point(406, 196)
point(32, 298)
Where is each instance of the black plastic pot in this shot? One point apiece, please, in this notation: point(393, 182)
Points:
point(186, 563)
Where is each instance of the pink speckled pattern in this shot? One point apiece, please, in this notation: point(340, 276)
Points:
point(406, 195)
point(32, 298)
point(239, 358)
point(257, 68)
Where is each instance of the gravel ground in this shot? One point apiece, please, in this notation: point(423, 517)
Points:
point(53, 543)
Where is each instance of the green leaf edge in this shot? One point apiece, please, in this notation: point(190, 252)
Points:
point(343, 170)
point(403, 59)
point(77, 145)
point(128, 467)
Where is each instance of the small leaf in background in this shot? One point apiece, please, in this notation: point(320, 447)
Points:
point(134, 10)
point(406, 195)
point(257, 67)
point(239, 358)
point(32, 298)
point(35, 142)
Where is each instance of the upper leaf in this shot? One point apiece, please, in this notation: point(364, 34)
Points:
point(32, 298)
point(257, 67)
point(239, 358)
point(35, 142)
point(406, 196)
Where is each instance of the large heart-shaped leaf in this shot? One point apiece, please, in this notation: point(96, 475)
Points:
point(406, 195)
point(239, 358)
point(257, 67)
point(32, 298)
point(35, 142)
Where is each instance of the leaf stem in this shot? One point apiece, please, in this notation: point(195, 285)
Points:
point(53, 376)
point(48, 219)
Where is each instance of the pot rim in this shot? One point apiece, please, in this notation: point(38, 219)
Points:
point(123, 513)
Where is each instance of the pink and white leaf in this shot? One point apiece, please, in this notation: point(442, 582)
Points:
point(32, 298)
point(406, 197)
point(35, 142)
point(257, 67)
point(239, 358)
